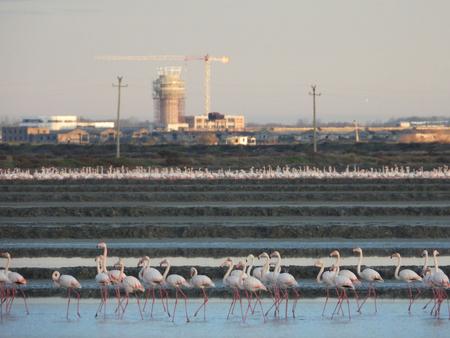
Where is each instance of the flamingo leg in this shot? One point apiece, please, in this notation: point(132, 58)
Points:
point(203, 305)
point(78, 303)
point(11, 299)
point(258, 300)
point(185, 305)
point(294, 305)
point(153, 302)
point(249, 298)
point(348, 304)
point(175, 306)
point(100, 306)
point(162, 299)
point(139, 305)
point(286, 297)
point(126, 304)
point(25, 301)
point(147, 295)
point(232, 302)
point(68, 303)
point(338, 303)
point(326, 301)
point(410, 297)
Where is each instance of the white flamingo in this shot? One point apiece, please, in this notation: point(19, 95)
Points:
point(326, 277)
point(130, 284)
point(252, 286)
point(259, 271)
point(235, 283)
point(70, 283)
point(177, 282)
point(440, 283)
point(16, 280)
point(201, 282)
point(407, 276)
point(152, 278)
point(368, 275)
point(103, 281)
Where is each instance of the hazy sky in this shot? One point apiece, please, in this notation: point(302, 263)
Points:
point(371, 59)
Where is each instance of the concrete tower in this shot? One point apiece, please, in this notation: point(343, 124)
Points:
point(168, 97)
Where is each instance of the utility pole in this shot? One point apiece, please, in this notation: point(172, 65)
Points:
point(314, 94)
point(119, 86)
point(355, 123)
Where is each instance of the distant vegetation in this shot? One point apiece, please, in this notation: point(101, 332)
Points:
point(363, 155)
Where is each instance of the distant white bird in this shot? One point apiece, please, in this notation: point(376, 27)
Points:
point(70, 283)
point(201, 282)
point(407, 276)
point(177, 282)
point(368, 275)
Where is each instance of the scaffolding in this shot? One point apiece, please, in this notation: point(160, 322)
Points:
point(168, 97)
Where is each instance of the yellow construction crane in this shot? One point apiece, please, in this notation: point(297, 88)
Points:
point(206, 58)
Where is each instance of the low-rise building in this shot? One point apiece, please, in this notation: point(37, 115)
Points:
point(62, 122)
point(218, 122)
point(76, 136)
point(241, 140)
point(22, 134)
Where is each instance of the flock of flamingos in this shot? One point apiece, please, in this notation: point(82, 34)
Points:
point(241, 278)
point(150, 173)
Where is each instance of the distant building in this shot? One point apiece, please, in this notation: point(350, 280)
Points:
point(168, 98)
point(76, 136)
point(217, 122)
point(23, 134)
point(62, 122)
point(241, 140)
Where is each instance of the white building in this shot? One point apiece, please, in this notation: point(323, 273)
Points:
point(62, 122)
point(241, 140)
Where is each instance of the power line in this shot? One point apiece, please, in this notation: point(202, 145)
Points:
point(119, 86)
point(314, 94)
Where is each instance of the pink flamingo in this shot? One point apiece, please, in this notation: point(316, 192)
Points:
point(369, 275)
point(342, 283)
point(201, 282)
point(70, 283)
point(103, 281)
point(16, 280)
point(326, 277)
point(252, 286)
point(233, 282)
point(440, 283)
point(151, 278)
point(130, 284)
point(407, 276)
point(175, 281)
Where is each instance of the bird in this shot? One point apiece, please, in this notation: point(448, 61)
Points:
point(252, 286)
point(235, 283)
point(151, 278)
point(16, 280)
point(258, 271)
point(70, 283)
point(342, 282)
point(440, 282)
point(407, 276)
point(130, 284)
point(326, 277)
point(201, 282)
point(368, 275)
point(346, 273)
point(103, 281)
point(175, 281)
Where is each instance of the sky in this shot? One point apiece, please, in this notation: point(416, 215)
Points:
point(371, 59)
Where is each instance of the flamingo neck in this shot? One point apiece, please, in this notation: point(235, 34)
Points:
point(8, 263)
point(105, 253)
point(397, 269)
point(338, 261)
point(99, 270)
point(104, 269)
point(250, 267)
point(278, 265)
point(319, 275)
point(230, 267)
point(266, 265)
point(166, 272)
point(436, 265)
point(358, 268)
point(243, 270)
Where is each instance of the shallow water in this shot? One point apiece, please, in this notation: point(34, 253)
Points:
point(47, 319)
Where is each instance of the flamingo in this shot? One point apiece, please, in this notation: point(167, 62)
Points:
point(426, 277)
point(152, 278)
point(440, 281)
point(115, 276)
point(233, 282)
point(326, 277)
point(368, 275)
point(259, 271)
point(175, 281)
point(407, 276)
point(252, 285)
point(130, 284)
point(346, 273)
point(70, 283)
point(342, 282)
point(16, 280)
point(103, 281)
point(201, 282)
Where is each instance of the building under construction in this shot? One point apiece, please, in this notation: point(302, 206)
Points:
point(169, 98)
